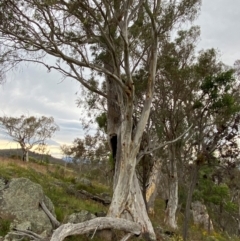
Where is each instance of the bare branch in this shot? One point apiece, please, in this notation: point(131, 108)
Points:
point(28, 233)
point(126, 237)
point(53, 220)
point(66, 230)
point(148, 151)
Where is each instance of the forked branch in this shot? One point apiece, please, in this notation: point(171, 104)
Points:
point(68, 229)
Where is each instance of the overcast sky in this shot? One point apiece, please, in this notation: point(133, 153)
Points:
point(30, 90)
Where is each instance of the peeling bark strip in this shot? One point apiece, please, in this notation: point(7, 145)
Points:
point(68, 229)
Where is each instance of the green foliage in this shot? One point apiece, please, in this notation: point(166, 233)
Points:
point(102, 121)
point(197, 104)
point(4, 226)
point(219, 88)
point(211, 193)
point(111, 161)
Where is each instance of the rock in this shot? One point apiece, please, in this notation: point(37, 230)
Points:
point(2, 184)
point(200, 215)
point(80, 217)
point(22, 226)
point(14, 237)
point(19, 202)
point(84, 181)
point(107, 197)
point(101, 214)
point(71, 190)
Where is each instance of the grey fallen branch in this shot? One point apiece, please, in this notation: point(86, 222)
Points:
point(126, 237)
point(95, 197)
point(53, 220)
point(28, 233)
point(68, 229)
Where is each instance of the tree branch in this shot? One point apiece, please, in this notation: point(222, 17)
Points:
point(148, 151)
point(53, 220)
point(29, 234)
point(68, 229)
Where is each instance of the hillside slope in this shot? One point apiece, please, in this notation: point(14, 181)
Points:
point(58, 182)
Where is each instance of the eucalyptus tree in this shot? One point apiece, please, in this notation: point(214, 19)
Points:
point(191, 90)
point(111, 39)
point(216, 115)
point(29, 131)
point(171, 113)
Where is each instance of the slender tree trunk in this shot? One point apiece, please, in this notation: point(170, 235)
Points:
point(189, 200)
point(170, 212)
point(152, 187)
point(25, 155)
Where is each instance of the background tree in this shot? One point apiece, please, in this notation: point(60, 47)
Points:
point(29, 131)
point(215, 114)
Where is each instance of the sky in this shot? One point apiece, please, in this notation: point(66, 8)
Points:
point(31, 90)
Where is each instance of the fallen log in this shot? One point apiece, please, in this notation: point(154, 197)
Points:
point(94, 197)
point(68, 229)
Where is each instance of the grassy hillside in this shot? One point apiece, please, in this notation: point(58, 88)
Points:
point(56, 180)
point(17, 153)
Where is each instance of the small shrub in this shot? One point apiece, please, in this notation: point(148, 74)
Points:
point(15, 156)
point(4, 227)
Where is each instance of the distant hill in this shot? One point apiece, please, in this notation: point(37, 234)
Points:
point(18, 152)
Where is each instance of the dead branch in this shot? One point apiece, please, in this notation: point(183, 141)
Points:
point(95, 197)
point(53, 220)
point(27, 233)
point(126, 237)
point(98, 223)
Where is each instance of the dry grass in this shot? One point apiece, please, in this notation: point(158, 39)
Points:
point(40, 168)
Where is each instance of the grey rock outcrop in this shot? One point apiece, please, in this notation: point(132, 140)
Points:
point(80, 217)
point(84, 181)
point(200, 216)
point(19, 202)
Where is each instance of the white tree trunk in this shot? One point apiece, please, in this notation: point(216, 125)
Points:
point(27, 157)
point(130, 205)
point(170, 213)
point(127, 201)
point(152, 188)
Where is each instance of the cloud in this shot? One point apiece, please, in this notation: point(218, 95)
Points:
point(31, 90)
point(219, 21)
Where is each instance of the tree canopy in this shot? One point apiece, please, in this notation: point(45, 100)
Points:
point(29, 131)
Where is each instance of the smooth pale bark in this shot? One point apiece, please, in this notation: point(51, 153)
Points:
point(53, 219)
point(194, 175)
point(170, 213)
point(68, 229)
point(152, 188)
point(127, 201)
point(25, 155)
